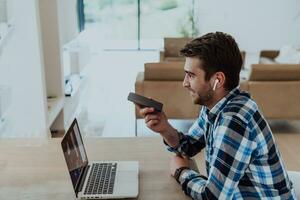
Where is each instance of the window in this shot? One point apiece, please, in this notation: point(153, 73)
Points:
point(135, 24)
point(5, 21)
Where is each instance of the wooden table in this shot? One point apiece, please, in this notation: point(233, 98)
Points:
point(35, 169)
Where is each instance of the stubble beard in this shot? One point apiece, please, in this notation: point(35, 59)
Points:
point(204, 99)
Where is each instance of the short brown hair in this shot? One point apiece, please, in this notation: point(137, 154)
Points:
point(218, 52)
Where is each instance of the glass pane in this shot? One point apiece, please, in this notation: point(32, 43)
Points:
point(112, 22)
point(168, 18)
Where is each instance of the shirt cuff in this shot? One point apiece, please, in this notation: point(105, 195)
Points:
point(188, 175)
point(177, 148)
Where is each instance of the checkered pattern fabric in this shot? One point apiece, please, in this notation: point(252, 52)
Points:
point(242, 158)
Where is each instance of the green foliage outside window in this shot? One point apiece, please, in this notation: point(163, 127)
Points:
point(168, 4)
point(189, 26)
point(118, 19)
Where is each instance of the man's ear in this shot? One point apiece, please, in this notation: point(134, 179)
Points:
point(218, 80)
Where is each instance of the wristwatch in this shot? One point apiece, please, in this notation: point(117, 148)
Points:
point(178, 173)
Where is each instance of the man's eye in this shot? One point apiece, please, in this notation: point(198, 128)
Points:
point(189, 75)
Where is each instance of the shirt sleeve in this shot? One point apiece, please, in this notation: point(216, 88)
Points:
point(231, 155)
point(188, 146)
point(193, 142)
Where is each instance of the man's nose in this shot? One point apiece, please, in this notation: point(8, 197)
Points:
point(185, 82)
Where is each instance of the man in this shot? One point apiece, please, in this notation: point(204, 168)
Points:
point(242, 159)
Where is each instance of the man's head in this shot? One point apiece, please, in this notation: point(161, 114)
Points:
point(212, 61)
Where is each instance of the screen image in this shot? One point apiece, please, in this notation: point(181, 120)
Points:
point(74, 153)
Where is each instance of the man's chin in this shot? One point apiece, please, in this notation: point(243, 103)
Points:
point(196, 100)
point(194, 97)
point(200, 100)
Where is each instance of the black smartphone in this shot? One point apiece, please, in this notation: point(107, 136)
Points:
point(144, 101)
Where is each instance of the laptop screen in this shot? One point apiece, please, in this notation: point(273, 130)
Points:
point(74, 152)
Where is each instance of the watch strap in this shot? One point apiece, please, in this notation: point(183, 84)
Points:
point(178, 173)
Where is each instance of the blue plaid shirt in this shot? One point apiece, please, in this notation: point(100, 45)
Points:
point(242, 158)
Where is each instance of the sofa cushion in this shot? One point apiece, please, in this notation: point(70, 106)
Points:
point(277, 99)
point(165, 71)
point(269, 54)
point(175, 59)
point(173, 46)
point(275, 72)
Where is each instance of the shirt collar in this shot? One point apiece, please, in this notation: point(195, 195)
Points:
point(213, 113)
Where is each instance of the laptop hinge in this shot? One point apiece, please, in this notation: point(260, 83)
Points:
point(81, 180)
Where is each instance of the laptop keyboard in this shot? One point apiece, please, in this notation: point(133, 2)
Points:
point(101, 179)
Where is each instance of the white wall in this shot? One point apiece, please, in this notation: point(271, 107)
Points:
point(21, 69)
point(68, 21)
point(51, 47)
point(23, 57)
point(58, 27)
point(256, 24)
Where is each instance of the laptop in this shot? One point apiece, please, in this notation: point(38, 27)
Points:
point(97, 179)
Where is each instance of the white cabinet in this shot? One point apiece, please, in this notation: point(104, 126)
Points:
point(61, 109)
point(54, 107)
point(53, 72)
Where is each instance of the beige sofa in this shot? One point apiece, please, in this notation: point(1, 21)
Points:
point(275, 87)
point(172, 47)
point(163, 82)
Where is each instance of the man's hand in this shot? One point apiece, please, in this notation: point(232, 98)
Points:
point(156, 121)
point(177, 162)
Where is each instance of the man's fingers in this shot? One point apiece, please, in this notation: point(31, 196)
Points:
point(146, 111)
point(151, 117)
point(152, 123)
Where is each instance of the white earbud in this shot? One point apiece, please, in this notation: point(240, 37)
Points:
point(215, 84)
